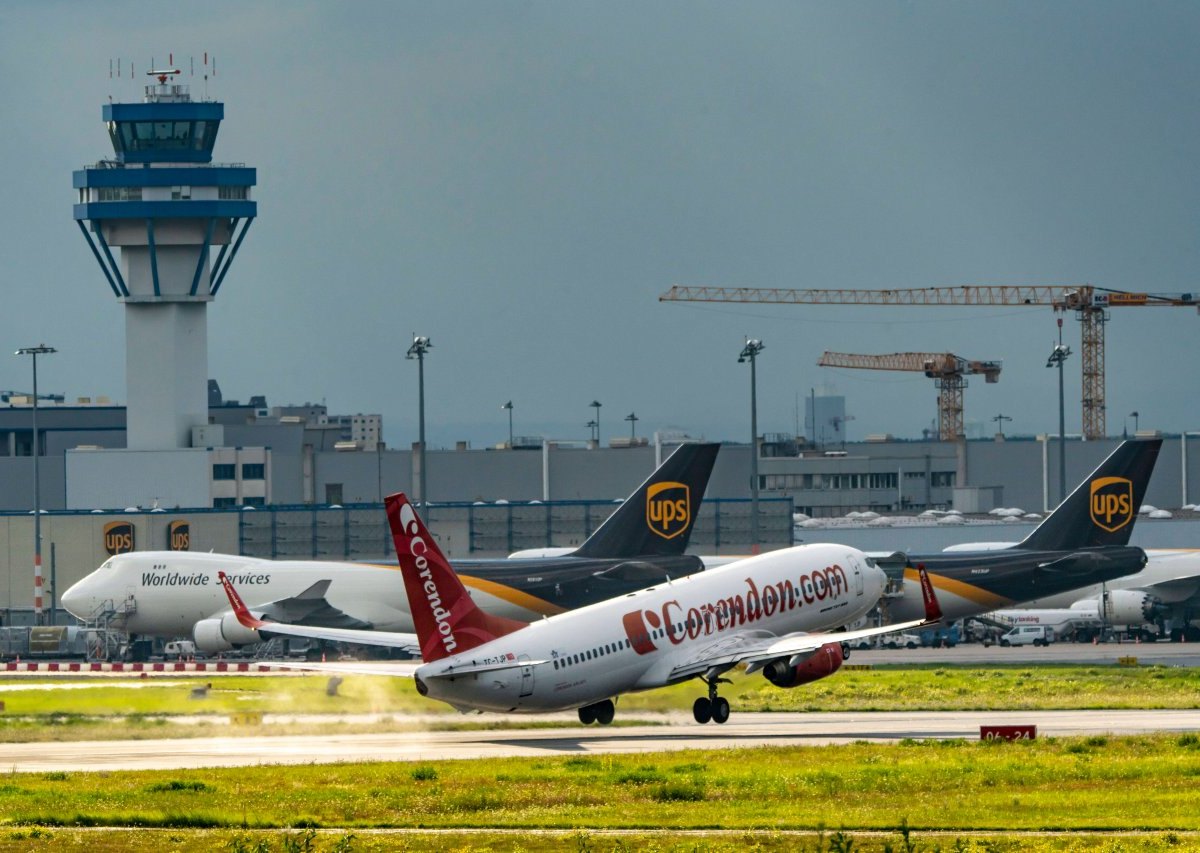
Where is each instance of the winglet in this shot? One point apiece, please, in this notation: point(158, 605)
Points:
point(240, 610)
point(933, 610)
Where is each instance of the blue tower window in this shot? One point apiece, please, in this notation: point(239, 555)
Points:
point(157, 132)
point(137, 136)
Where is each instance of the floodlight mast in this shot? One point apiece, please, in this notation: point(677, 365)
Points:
point(1057, 356)
point(420, 346)
point(38, 584)
point(750, 353)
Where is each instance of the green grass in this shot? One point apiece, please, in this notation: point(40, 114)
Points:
point(583, 841)
point(1143, 783)
point(890, 688)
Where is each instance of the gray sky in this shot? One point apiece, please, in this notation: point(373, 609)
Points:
point(520, 181)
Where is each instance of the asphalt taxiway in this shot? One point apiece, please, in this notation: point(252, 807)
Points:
point(674, 732)
point(975, 654)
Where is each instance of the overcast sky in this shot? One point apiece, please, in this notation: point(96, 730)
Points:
point(520, 181)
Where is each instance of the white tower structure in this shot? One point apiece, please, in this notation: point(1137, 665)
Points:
point(165, 205)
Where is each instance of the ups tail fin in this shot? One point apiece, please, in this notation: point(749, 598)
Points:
point(1102, 509)
point(657, 519)
point(446, 619)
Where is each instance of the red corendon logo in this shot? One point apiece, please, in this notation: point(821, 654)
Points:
point(734, 611)
point(419, 548)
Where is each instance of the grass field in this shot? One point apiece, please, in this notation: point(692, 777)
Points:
point(1098, 785)
point(588, 841)
point(1115, 794)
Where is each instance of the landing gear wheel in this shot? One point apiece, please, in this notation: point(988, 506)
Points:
point(720, 710)
point(604, 712)
point(587, 714)
point(702, 710)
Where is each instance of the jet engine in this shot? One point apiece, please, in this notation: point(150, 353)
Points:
point(222, 633)
point(827, 660)
point(1124, 607)
point(1130, 607)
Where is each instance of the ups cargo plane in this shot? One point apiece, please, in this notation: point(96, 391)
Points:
point(177, 594)
point(1084, 542)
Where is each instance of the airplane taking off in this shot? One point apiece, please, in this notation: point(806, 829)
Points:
point(778, 612)
point(177, 593)
point(1084, 541)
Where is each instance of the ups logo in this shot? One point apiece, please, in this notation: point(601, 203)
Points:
point(179, 536)
point(668, 509)
point(1112, 503)
point(118, 537)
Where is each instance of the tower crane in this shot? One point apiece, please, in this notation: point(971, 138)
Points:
point(1089, 303)
point(948, 371)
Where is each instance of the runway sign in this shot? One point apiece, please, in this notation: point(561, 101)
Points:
point(1008, 732)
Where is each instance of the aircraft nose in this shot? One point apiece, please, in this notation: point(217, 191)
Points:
point(77, 601)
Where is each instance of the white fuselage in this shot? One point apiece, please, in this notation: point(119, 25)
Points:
point(165, 593)
point(637, 641)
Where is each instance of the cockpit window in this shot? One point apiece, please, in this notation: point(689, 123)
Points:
point(107, 564)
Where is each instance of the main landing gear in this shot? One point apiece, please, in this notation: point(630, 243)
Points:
point(712, 707)
point(600, 712)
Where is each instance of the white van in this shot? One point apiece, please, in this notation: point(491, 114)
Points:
point(1038, 635)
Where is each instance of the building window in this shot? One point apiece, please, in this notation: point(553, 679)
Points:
point(118, 194)
point(232, 193)
point(254, 471)
point(942, 479)
point(254, 502)
point(333, 493)
point(224, 503)
point(222, 471)
point(180, 193)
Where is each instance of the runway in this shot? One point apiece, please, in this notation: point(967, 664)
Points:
point(676, 733)
point(974, 654)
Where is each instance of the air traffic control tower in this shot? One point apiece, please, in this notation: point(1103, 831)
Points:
point(178, 220)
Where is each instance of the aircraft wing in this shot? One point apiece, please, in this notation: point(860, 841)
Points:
point(387, 639)
point(757, 651)
point(311, 608)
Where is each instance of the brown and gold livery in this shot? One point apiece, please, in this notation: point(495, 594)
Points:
point(118, 537)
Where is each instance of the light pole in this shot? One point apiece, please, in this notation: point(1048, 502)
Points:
point(596, 405)
point(1057, 356)
point(379, 448)
point(633, 419)
point(750, 353)
point(40, 349)
point(1000, 419)
point(509, 406)
point(592, 426)
point(1134, 415)
point(420, 346)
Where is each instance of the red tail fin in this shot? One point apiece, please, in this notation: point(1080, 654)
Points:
point(933, 610)
point(248, 619)
point(446, 619)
